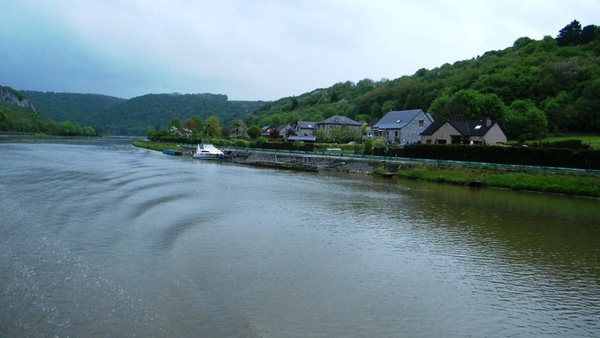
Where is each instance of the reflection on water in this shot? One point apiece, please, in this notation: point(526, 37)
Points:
point(106, 239)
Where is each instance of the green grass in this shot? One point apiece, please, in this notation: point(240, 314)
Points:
point(564, 184)
point(155, 146)
point(592, 140)
point(553, 183)
point(455, 176)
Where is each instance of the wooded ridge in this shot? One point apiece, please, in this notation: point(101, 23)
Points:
point(530, 88)
point(533, 87)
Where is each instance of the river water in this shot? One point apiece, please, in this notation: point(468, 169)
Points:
point(105, 239)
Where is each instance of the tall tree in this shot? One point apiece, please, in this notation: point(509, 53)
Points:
point(254, 132)
point(175, 122)
point(212, 127)
point(570, 35)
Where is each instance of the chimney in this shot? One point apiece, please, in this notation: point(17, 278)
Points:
point(488, 122)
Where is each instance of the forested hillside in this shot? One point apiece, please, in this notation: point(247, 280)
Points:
point(141, 114)
point(19, 115)
point(531, 88)
point(116, 116)
point(71, 106)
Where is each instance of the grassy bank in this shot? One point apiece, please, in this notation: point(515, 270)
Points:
point(592, 140)
point(553, 183)
point(156, 146)
point(570, 184)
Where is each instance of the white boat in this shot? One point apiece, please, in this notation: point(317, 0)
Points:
point(208, 152)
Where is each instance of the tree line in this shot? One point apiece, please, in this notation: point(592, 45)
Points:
point(531, 88)
point(21, 120)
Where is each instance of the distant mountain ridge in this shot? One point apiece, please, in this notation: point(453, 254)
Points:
point(137, 116)
point(531, 87)
point(71, 106)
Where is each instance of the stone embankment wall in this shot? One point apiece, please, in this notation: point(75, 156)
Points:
point(315, 161)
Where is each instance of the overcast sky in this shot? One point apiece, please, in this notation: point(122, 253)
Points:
point(255, 49)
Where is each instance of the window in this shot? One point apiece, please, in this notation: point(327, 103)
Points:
point(421, 123)
point(428, 141)
point(478, 126)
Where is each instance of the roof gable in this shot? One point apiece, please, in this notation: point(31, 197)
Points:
point(472, 128)
point(306, 124)
point(465, 128)
point(398, 119)
point(340, 120)
point(433, 127)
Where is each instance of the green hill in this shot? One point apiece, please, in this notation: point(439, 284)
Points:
point(154, 111)
point(19, 115)
point(532, 87)
point(71, 106)
point(115, 116)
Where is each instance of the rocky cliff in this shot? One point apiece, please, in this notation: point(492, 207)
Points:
point(11, 96)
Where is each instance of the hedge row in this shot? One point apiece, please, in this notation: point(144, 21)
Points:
point(286, 146)
point(545, 157)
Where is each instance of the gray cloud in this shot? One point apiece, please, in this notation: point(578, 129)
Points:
point(258, 50)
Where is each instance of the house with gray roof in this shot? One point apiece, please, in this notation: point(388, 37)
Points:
point(304, 128)
point(402, 126)
point(464, 132)
point(339, 122)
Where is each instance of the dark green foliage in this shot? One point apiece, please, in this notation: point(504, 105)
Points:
point(16, 119)
point(527, 156)
point(284, 146)
point(559, 77)
point(139, 115)
point(573, 35)
point(568, 144)
point(23, 120)
point(368, 147)
point(562, 82)
point(254, 132)
point(69, 106)
point(143, 113)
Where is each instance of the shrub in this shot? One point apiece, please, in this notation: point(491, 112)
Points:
point(368, 147)
point(298, 145)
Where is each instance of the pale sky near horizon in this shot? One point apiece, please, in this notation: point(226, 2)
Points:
point(255, 49)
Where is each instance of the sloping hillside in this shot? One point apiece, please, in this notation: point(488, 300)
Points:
point(115, 116)
point(19, 115)
point(155, 111)
point(553, 82)
point(69, 106)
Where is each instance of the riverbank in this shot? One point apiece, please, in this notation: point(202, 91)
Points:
point(547, 182)
point(577, 185)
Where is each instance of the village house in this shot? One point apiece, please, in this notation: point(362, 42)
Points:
point(339, 122)
point(464, 132)
point(283, 130)
point(402, 127)
point(304, 128)
point(267, 131)
point(369, 126)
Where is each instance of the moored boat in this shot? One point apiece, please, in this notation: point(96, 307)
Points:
point(207, 151)
point(172, 152)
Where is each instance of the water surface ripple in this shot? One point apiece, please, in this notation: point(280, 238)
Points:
point(104, 239)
